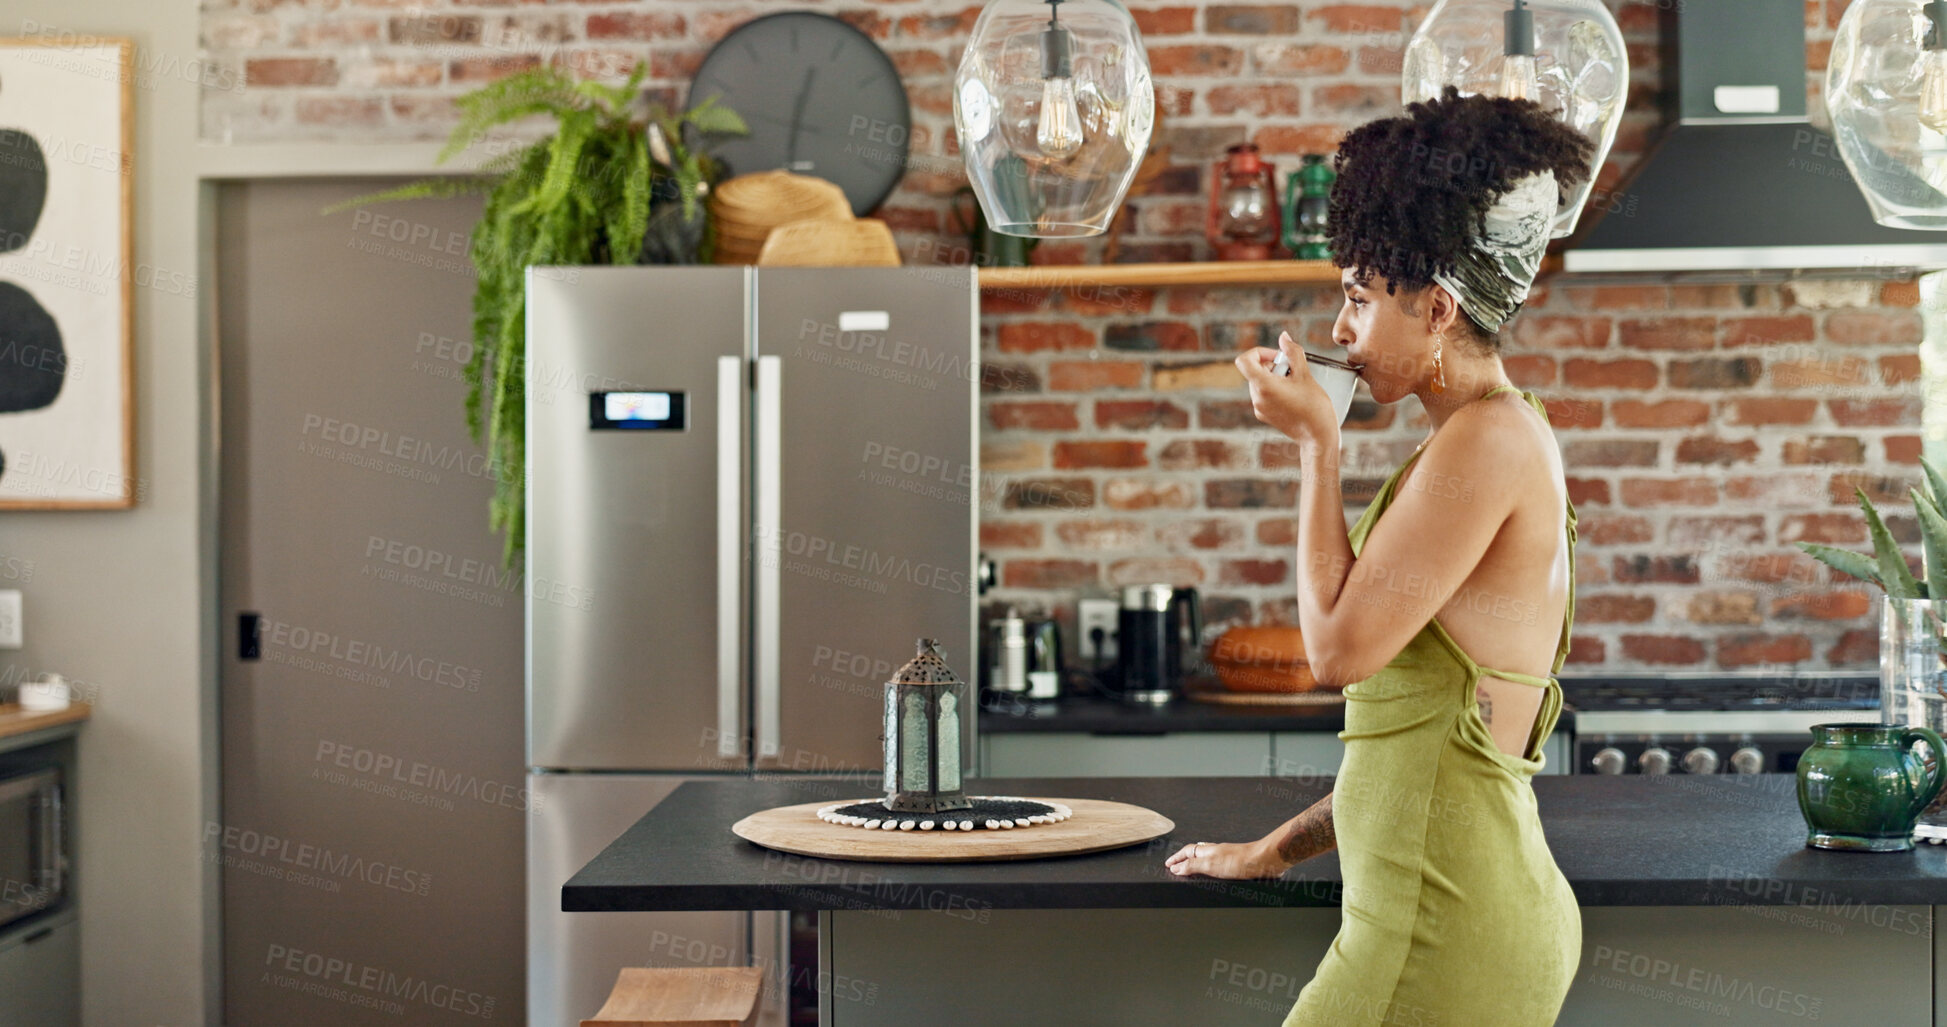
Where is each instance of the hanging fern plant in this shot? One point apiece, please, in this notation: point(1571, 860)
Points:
point(583, 195)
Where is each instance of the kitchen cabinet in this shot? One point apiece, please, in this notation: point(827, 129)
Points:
point(1306, 753)
point(40, 956)
point(1691, 966)
point(38, 977)
point(1559, 749)
point(1178, 754)
point(1299, 754)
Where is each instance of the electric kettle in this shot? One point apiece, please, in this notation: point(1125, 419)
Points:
point(1159, 631)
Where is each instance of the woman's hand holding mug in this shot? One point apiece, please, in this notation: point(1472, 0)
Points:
point(1297, 406)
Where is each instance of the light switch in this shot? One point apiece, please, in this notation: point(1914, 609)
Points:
point(10, 633)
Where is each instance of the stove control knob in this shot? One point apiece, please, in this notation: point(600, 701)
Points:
point(1609, 761)
point(1747, 760)
point(1701, 760)
point(1654, 760)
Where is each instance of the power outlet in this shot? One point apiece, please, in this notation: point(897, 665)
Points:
point(10, 633)
point(1092, 614)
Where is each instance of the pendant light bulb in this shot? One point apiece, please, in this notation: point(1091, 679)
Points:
point(1059, 130)
point(1517, 80)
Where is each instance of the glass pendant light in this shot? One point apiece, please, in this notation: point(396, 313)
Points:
point(1053, 107)
point(1566, 55)
point(1886, 90)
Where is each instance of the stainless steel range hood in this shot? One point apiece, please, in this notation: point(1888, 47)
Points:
point(1740, 184)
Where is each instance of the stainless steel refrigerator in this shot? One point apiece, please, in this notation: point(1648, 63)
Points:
point(750, 491)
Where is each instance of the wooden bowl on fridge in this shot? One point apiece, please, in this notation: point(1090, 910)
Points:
point(747, 208)
point(865, 242)
point(1262, 659)
point(779, 196)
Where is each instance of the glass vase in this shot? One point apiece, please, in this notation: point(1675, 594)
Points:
point(1913, 683)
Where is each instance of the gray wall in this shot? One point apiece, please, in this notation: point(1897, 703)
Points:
point(115, 598)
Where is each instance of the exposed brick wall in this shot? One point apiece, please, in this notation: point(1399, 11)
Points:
point(1705, 428)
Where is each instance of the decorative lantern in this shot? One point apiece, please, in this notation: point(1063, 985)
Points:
point(1243, 221)
point(1566, 55)
point(1307, 202)
point(1886, 89)
point(1053, 106)
point(924, 704)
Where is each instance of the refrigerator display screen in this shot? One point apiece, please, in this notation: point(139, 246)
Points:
point(652, 411)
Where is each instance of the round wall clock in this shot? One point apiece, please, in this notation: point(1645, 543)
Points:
point(820, 98)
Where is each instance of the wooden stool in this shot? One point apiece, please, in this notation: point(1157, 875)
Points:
point(704, 996)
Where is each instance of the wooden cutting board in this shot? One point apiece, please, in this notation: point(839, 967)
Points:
point(1320, 697)
point(1098, 824)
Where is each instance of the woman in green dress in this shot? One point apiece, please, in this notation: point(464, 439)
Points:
point(1454, 911)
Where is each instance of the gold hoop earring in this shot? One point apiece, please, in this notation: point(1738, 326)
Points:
point(1439, 383)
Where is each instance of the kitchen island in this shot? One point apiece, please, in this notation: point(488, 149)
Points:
point(1095, 736)
point(1701, 904)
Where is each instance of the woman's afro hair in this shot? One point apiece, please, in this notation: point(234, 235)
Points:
point(1414, 189)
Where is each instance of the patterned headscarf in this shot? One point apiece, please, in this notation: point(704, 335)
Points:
point(1492, 278)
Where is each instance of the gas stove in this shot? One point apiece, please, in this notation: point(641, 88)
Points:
point(1706, 723)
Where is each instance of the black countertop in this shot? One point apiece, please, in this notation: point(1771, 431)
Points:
point(1675, 840)
point(1003, 714)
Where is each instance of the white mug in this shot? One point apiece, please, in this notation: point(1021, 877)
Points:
point(49, 693)
point(1338, 378)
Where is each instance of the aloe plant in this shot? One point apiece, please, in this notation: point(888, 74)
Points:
point(1886, 566)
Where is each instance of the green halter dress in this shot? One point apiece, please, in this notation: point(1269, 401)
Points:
point(1454, 912)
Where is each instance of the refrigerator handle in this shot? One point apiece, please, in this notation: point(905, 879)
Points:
point(769, 530)
point(730, 545)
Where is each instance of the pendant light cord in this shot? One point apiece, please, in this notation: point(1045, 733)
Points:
point(1057, 58)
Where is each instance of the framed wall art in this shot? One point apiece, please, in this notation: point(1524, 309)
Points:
point(66, 273)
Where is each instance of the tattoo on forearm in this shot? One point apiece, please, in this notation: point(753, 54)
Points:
point(1310, 834)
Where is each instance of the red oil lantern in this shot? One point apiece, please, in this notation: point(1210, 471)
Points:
point(1244, 218)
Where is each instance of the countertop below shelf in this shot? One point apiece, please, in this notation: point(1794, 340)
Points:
point(16, 721)
point(1626, 840)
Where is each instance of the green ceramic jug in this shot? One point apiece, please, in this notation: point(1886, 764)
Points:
point(1861, 786)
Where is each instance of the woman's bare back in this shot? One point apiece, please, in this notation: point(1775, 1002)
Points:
point(1508, 614)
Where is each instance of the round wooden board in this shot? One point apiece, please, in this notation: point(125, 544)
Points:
point(1097, 825)
point(1319, 697)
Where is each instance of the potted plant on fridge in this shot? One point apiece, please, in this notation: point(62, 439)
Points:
point(1912, 619)
point(616, 182)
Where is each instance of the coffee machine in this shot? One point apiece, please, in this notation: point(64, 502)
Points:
point(1158, 631)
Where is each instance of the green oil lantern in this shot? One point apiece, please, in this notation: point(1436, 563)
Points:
point(1307, 197)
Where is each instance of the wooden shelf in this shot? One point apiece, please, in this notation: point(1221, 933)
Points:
point(1203, 272)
